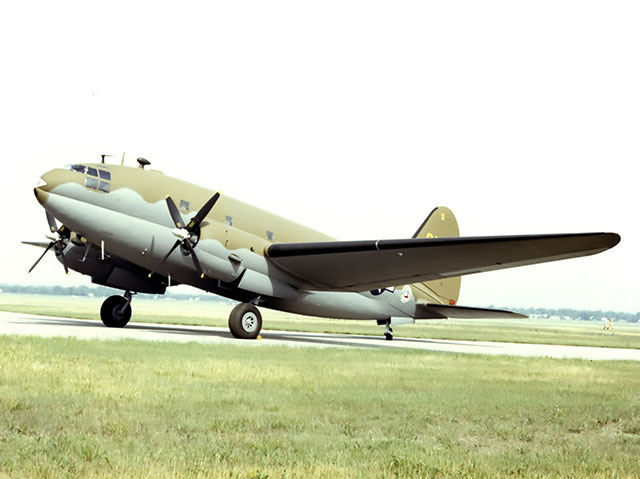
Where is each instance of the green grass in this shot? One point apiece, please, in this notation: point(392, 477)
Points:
point(205, 313)
point(71, 408)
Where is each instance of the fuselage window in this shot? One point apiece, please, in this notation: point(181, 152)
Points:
point(184, 205)
point(92, 172)
point(270, 235)
point(228, 220)
point(105, 175)
point(104, 186)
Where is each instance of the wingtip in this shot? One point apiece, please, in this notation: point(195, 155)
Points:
point(611, 240)
point(617, 238)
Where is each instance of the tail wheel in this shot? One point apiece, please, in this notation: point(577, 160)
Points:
point(245, 321)
point(388, 332)
point(115, 312)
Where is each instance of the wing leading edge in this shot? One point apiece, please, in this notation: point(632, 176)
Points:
point(365, 265)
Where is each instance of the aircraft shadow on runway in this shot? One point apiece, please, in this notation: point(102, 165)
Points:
point(297, 337)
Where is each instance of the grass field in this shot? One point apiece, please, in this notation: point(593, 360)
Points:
point(205, 313)
point(71, 408)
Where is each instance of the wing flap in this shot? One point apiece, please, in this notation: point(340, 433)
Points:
point(365, 265)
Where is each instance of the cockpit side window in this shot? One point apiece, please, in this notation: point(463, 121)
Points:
point(91, 179)
point(91, 183)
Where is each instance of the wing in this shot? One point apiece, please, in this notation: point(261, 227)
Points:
point(366, 265)
point(442, 311)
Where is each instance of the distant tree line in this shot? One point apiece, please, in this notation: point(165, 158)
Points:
point(583, 314)
point(102, 291)
point(98, 291)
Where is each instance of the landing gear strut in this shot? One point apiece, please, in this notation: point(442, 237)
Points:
point(388, 332)
point(245, 321)
point(116, 311)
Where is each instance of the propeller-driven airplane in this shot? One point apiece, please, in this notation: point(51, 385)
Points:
point(137, 230)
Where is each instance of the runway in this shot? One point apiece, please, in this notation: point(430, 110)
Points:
point(48, 326)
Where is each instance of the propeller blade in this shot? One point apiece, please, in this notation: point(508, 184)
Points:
point(175, 214)
point(196, 263)
point(204, 211)
point(60, 249)
point(184, 233)
point(39, 244)
point(175, 245)
point(42, 256)
point(59, 236)
point(53, 226)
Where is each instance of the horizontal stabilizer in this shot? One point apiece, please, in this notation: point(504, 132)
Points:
point(443, 311)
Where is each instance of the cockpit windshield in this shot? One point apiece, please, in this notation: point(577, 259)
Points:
point(78, 168)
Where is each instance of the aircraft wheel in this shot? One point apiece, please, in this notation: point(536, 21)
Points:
point(112, 313)
point(388, 334)
point(245, 321)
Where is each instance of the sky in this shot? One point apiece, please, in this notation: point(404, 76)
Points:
point(355, 118)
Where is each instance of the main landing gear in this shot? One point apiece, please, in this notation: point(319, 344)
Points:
point(116, 311)
point(245, 321)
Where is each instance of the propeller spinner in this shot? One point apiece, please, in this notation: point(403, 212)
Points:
point(186, 233)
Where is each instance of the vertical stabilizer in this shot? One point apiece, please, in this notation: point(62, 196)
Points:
point(441, 223)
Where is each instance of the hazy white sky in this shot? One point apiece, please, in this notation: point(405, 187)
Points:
point(355, 118)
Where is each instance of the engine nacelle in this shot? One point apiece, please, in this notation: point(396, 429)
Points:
point(110, 271)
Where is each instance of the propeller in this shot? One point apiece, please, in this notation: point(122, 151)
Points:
point(186, 233)
point(59, 238)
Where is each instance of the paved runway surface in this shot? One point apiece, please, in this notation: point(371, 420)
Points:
point(48, 326)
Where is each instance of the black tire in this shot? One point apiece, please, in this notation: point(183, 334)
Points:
point(245, 321)
point(389, 335)
point(111, 312)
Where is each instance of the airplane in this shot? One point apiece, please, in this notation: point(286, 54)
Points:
point(140, 231)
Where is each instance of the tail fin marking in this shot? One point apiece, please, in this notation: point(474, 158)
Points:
point(441, 223)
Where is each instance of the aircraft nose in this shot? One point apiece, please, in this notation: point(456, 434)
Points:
point(49, 180)
point(43, 186)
